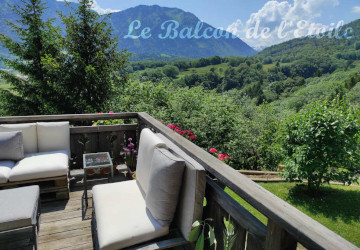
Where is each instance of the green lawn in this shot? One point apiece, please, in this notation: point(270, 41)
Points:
point(338, 208)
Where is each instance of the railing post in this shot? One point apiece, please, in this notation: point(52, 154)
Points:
point(277, 238)
point(140, 126)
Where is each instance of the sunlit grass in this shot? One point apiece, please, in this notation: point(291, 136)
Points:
point(206, 69)
point(4, 85)
point(337, 208)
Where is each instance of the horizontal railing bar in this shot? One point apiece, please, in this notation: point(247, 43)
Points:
point(237, 212)
point(102, 128)
point(304, 229)
point(71, 118)
point(252, 172)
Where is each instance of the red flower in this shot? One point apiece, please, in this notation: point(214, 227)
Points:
point(111, 112)
point(192, 137)
point(99, 112)
point(224, 157)
point(173, 127)
point(213, 150)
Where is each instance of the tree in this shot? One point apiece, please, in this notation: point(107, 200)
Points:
point(357, 46)
point(321, 143)
point(171, 71)
point(31, 91)
point(92, 69)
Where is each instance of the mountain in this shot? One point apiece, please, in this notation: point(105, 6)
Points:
point(346, 45)
point(152, 17)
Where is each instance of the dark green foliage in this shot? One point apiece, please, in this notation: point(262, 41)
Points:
point(215, 119)
point(153, 75)
point(321, 143)
point(268, 60)
point(313, 48)
point(171, 71)
point(31, 93)
point(352, 81)
point(75, 74)
point(92, 68)
point(357, 45)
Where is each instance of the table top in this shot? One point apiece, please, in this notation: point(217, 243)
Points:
point(96, 160)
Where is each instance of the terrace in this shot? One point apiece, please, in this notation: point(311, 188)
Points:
point(65, 224)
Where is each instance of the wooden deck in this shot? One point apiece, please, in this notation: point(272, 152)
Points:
point(63, 225)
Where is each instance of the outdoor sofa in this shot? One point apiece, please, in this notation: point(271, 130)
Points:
point(166, 197)
point(36, 153)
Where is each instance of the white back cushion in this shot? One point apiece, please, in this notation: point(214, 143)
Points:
point(53, 136)
point(29, 135)
point(164, 186)
point(148, 142)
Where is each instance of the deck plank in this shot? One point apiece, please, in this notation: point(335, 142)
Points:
point(67, 242)
point(63, 226)
point(64, 235)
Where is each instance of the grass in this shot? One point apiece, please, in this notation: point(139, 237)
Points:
point(206, 69)
point(4, 85)
point(337, 208)
point(266, 67)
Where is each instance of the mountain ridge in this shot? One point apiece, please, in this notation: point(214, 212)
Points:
point(152, 16)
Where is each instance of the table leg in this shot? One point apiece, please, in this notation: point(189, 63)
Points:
point(85, 189)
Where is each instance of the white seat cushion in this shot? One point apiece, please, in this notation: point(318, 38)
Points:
point(40, 165)
point(20, 207)
point(148, 142)
point(53, 136)
point(121, 216)
point(5, 168)
point(29, 135)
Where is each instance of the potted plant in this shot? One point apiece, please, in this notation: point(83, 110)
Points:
point(129, 152)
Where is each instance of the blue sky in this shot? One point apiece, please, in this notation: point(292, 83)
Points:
point(238, 16)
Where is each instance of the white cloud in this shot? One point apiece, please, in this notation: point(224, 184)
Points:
point(235, 28)
point(356, 9)
point(95, 7)
point(274, 13)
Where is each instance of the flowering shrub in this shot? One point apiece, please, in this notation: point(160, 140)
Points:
point(129, 152)
point(186, 133)
point(108, 122)
point(222, 157)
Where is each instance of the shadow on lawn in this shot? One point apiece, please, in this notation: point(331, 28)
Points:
point(331, 203)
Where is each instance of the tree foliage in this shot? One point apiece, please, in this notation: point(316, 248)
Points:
point(321, 143)
point(92, 69)
point(30, 92)
point(73, 74)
